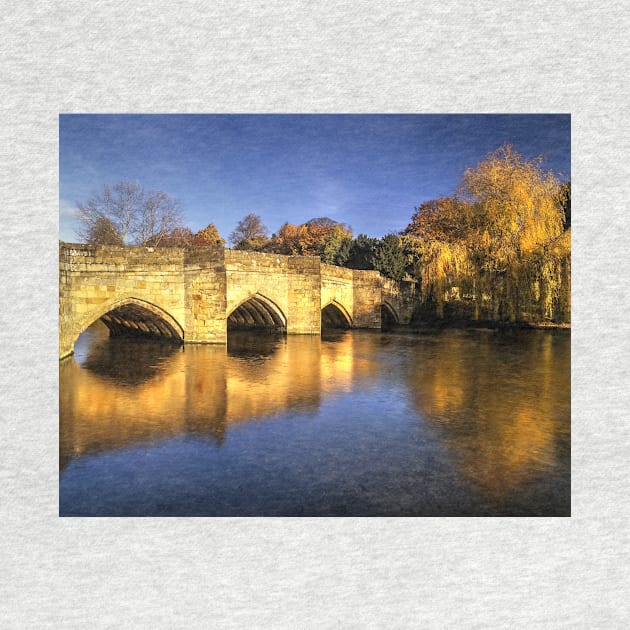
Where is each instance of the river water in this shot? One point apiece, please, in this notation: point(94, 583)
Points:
point(356, 423)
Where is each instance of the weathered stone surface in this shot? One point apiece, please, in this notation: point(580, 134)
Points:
point(304, 290)
point(190, 293)
point(400, 297)
point(337, 288)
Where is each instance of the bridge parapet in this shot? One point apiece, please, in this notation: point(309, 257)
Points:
point(113, 258)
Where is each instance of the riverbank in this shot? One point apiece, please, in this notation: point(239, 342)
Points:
point(461, 324)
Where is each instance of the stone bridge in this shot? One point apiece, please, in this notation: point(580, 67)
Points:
point(196, 295)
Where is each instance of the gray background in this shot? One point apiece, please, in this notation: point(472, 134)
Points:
point(303, 57)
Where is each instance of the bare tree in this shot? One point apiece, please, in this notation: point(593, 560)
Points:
point(179, 237)
point(127, 214)
point(250, 233)
point(159, 217)
point(103, 232)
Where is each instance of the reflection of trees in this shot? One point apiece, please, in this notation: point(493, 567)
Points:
point(133, 392)
point(501, 429)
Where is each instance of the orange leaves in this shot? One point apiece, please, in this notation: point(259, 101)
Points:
point(208, 236)
point(311, 238)
point(439, 219)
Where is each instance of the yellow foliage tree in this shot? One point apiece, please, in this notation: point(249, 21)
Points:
point(208, 236)
point(501, 240)
point(317, 237)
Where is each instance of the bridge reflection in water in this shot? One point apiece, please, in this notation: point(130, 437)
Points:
point(126, 390)
point(456, 423)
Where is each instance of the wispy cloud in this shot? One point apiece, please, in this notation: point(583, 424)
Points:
point(67, 210)
point(68, 221)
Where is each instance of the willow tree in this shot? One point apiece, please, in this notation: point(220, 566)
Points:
point(515, 228)
point(437, 244)
point(501, 239)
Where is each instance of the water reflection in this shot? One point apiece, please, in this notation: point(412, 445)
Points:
point(499, 403)
point(259, 344)
point(128, 360)
point(456, 422)
point(123, 391)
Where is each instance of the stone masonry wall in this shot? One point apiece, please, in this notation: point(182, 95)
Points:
point(205, 290)
point(94, 278)
point(401, 296)
point(250, 273)
point(305, 316)
point(367, 298)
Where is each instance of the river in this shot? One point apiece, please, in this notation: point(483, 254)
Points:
point(357, 423)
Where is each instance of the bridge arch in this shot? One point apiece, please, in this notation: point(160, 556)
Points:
point(389, 316)
point(257, 312)
point(134, 317)
point(335, 315)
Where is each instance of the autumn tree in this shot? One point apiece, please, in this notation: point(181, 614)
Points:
point(284, 241)
point(321, 237)
point(500, 239)
point(334, 247)
point(208, 236)
point(250, 233)
point(127, 214)
point(442, 219)
point(516, 215)
point(434, 242)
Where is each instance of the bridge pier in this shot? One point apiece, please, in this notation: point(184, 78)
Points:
point(205, 295)
point(304, 275)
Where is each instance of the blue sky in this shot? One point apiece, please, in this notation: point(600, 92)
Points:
point(369, 171)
